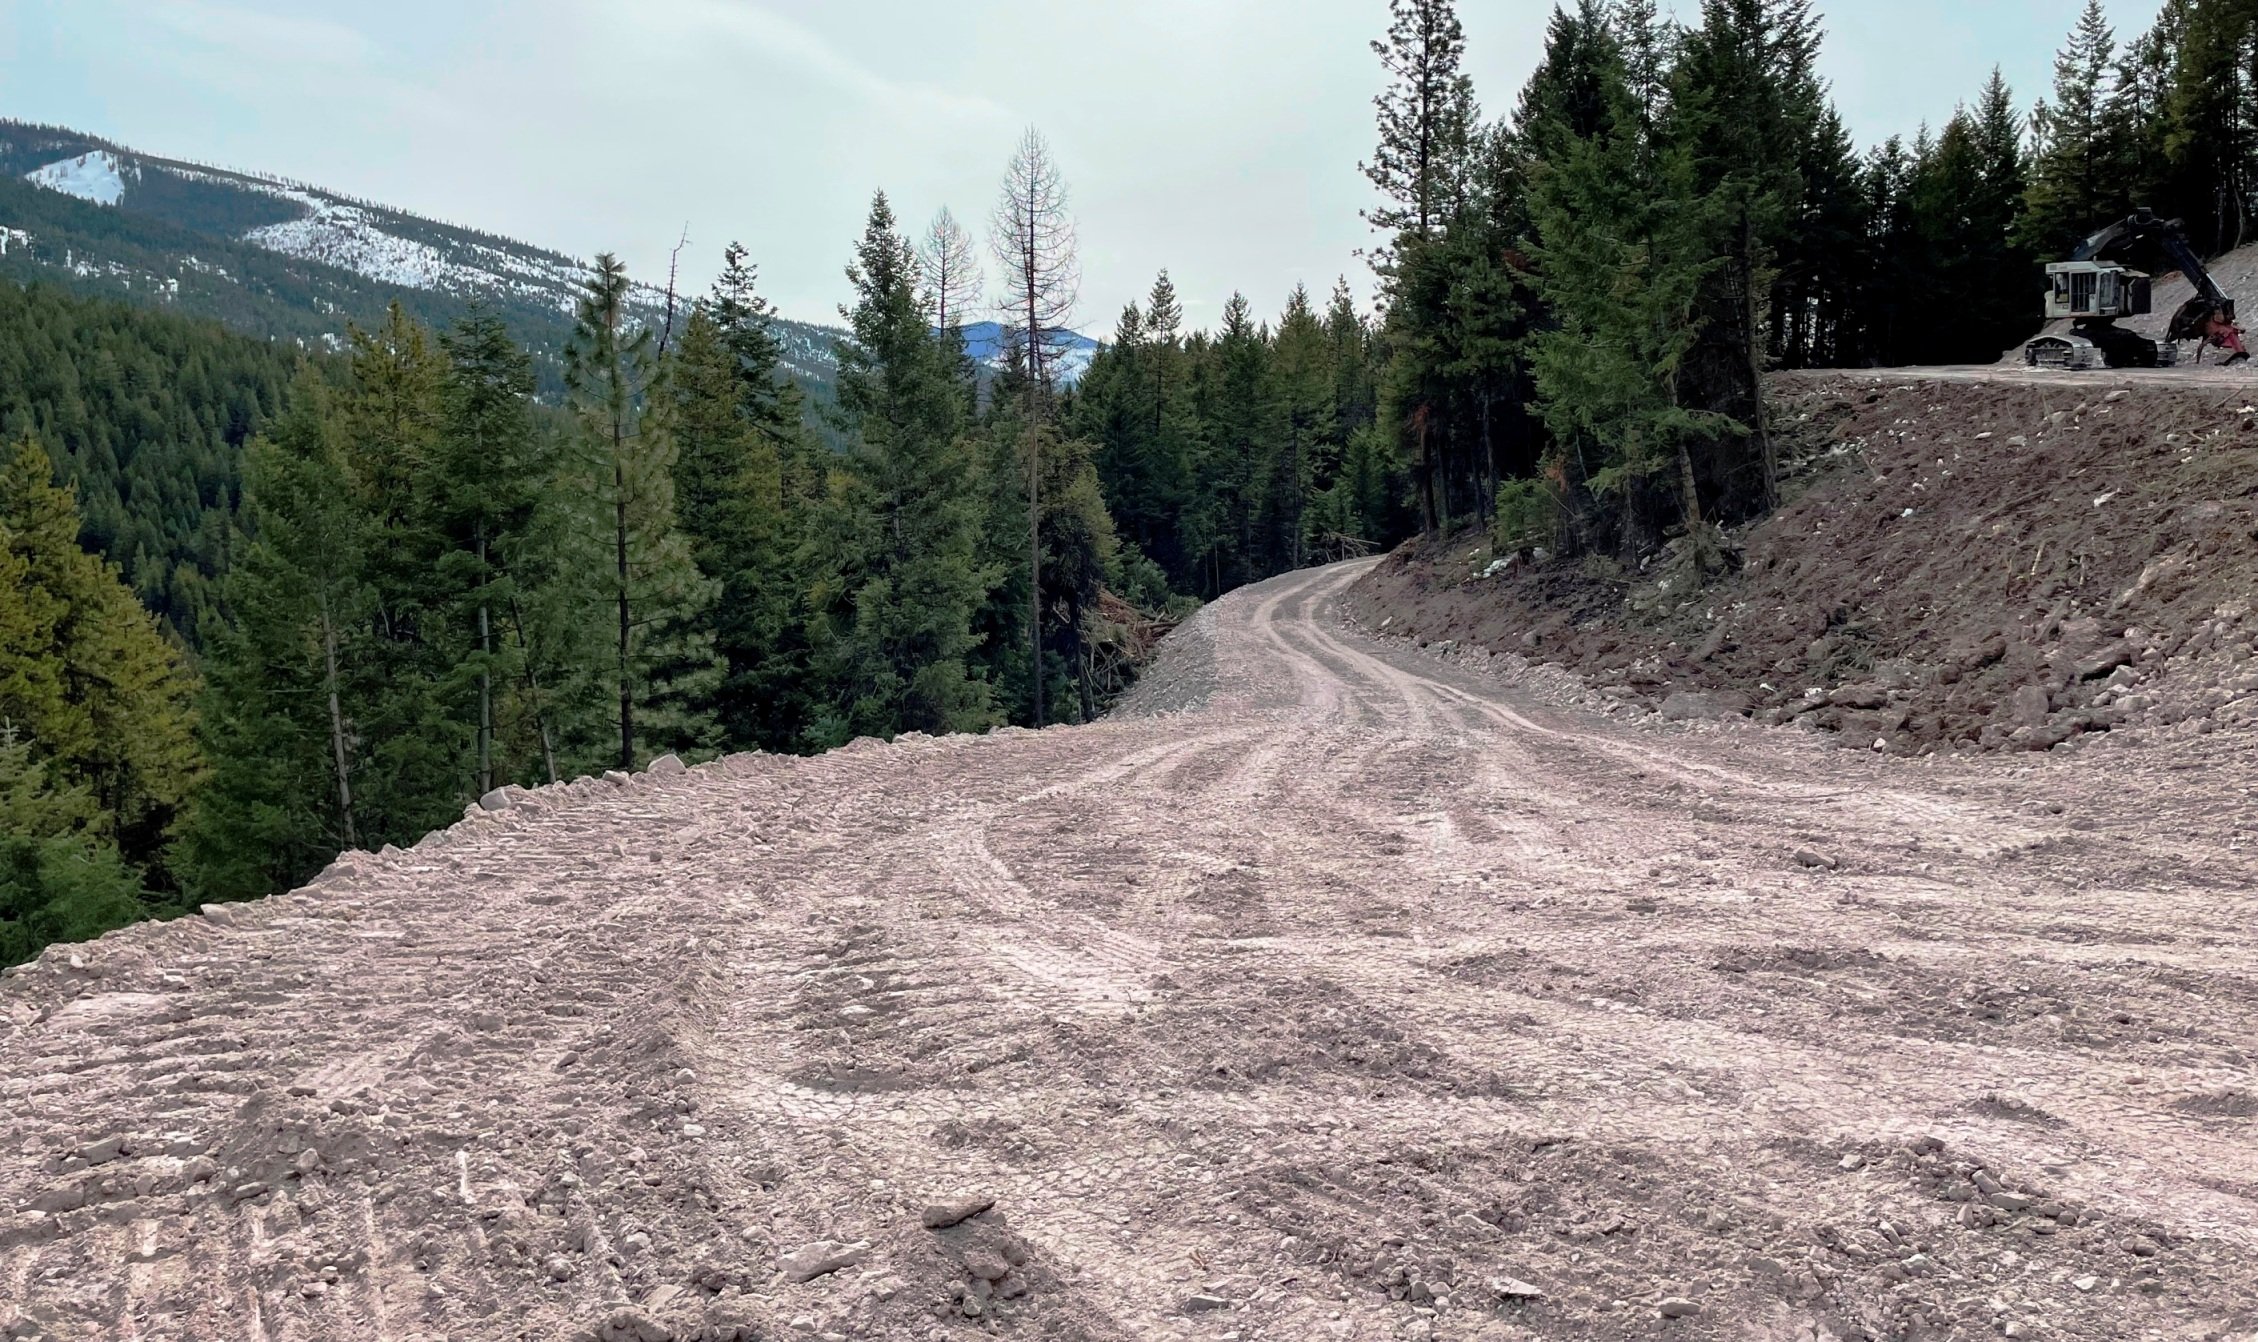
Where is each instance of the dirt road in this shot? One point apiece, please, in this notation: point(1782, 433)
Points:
point(2241, 377)
point(1360, 999)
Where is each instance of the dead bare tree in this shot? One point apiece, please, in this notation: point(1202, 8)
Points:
point(953, 282)
point(1033, 240)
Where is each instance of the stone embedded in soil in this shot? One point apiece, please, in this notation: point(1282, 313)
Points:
point(1677, 1307)
point(103, 1151)
point(986, 1266)
point(664, 765)
point(1700, 705)
point(810, 1261)
point(1513, 1288)
point(1205, 1304)
point(942, 1215)
point(497, 800)
point(1812, 857)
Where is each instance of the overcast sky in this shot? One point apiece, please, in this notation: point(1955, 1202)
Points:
point(1217, 138)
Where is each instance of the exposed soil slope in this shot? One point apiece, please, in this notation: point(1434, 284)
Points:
point(1966, 562)
point(1362, 999)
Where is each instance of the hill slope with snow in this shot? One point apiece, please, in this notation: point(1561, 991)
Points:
point(279, 258)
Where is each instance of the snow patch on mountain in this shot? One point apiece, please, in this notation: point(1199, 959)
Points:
point(99, 176)
point(352, 237)
point(984, 342)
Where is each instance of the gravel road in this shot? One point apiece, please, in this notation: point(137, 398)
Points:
point(1357, 997)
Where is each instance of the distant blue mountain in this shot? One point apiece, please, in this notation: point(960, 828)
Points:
point(984, 341)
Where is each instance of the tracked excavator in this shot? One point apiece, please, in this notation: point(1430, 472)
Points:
point(2094, 288)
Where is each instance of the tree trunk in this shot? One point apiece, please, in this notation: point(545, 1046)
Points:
point(626, 627)
point(533, 689)
point(337, 724)
point(1756, 420)
point(1035, 391)
point(485, 685)
point(1035, 567)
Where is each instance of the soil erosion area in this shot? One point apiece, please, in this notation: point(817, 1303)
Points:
point(1326, 991)
point(1969, 559)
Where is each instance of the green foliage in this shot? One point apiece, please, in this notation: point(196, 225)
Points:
point(145, 415)
point(896, 550)
point(660, 669)
point(744, 481)
point(85, 673)
point(59, 881)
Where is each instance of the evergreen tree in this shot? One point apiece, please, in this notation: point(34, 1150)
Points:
point(1621, 266)
point(59, 879)
point(86, 676)
point(389, 418)
point(488, 470)
point(281, 683)
point(1302, 391)
point(661, 666)
point(898, 539)
point(2075, 182)
point(738, 427)
point(1426, 118)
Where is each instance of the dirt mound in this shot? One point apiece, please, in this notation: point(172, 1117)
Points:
point(1963, 564)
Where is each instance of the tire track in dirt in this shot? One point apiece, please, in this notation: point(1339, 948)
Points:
point(1301, 1014)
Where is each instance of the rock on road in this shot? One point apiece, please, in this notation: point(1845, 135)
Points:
point(1361, 997)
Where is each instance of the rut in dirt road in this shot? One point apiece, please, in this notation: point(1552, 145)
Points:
point(1354, 997)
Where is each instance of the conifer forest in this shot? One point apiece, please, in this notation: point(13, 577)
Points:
point(262, 604)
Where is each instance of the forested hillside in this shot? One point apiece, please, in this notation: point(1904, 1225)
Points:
point(145, 414)
point(286, 260)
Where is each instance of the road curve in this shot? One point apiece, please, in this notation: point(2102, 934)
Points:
point(1362, 998)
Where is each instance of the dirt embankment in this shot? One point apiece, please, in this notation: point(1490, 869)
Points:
point(1962, 564)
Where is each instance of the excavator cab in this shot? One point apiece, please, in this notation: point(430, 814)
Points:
point(2095, 289)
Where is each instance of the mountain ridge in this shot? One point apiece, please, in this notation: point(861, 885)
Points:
point(291, 260)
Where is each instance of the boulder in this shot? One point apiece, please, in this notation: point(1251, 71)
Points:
point(1699, 705)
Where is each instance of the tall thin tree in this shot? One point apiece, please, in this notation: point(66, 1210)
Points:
point(1032, 236)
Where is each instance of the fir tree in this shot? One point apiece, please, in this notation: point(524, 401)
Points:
point(1426, 118)
point(738, 427)
point(488, 470)
point(2075, 186)
point(60, 880)
point(900, 580)
point(277, 719)
point(661, 666)
point(85, 674)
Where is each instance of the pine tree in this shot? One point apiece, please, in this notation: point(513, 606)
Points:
point(1426, 119)
point(85, 674)
point(1621, 265)
point(2075, 186)
point(278, 718)
point(738, 428)
point(2212, 117)
point(488, 468)
point(898, 540)
point(1032, 236)
point(1301, 386)
point(60, 880)
point(661, 667)
point(951, 269)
